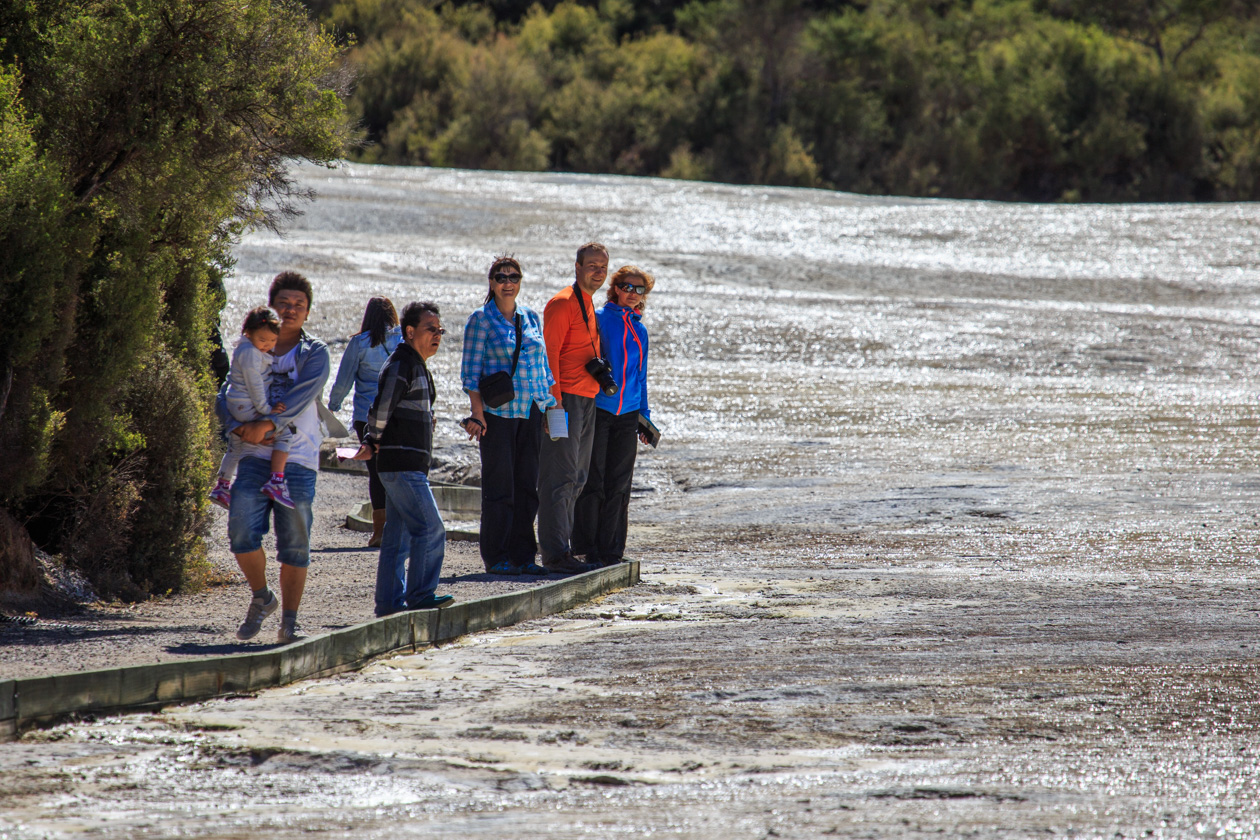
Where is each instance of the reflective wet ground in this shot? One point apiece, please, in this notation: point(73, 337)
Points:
point(953, 532)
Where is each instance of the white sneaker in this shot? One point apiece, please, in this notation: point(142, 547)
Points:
point(254, 618)
point(289, 632)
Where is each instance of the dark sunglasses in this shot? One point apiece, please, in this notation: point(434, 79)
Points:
point(435, 330)
point(501, 278)
point(630, 287)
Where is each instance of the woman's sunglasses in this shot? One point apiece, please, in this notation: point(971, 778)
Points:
point(503, 277)
point(632, 288)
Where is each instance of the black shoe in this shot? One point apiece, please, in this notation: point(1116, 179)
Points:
point(567, 565)
point(503, 567)
point(533, 569)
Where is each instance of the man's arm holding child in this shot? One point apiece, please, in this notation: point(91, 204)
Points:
point(310, 377)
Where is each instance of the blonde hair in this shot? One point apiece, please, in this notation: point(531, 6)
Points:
point(631, 271)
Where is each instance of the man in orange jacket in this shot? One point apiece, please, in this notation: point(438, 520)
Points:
point(572, 341)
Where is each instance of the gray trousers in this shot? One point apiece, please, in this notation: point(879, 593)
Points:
point(562, 468)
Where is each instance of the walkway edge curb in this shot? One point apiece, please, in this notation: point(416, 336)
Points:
point(35, 701)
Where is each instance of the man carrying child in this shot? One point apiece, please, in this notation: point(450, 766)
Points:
point(248, 396)
point(302, 363)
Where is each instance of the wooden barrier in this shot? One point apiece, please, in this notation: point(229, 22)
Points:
point(39, 701)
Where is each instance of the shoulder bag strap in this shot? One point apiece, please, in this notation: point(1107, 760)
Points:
point(517, 354)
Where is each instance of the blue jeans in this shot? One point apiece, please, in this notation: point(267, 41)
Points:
point(413, 528)
point(250, 515)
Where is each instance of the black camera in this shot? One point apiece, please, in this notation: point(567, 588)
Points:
point(601, 370)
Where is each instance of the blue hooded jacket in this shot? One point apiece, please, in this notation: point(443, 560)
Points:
point(626, 348)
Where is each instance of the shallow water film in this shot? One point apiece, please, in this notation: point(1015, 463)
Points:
point(952, 532)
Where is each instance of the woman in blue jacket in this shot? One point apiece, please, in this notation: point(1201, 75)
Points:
point(360, 367)
point(600, 516)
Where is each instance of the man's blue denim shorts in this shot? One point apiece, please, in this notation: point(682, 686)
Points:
point(251, 511)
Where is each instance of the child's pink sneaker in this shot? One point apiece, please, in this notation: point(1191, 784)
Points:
point(278, 492)
point(221, 495)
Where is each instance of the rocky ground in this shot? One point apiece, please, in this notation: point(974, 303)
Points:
point(73, 632)
point(886, 682)
point(953, 533)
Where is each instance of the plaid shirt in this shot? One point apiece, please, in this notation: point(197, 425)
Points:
point(489, 341)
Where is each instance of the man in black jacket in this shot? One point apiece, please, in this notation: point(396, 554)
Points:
point(400, 432)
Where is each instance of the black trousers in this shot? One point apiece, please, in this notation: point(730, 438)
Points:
point(376, 490)
point(600, 517)
point(509, 488)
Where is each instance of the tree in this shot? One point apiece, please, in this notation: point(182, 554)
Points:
point(1011, 99)
point(146, 135)
point(1168, 28)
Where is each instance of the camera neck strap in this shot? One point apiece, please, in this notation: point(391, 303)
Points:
point(577, 290)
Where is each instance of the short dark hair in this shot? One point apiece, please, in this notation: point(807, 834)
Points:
point(588, 248)
point(261, 318)
point(290, 281)
point(414, 311)
point(378, 317)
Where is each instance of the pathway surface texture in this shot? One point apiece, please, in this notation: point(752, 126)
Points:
point(953, 532)
point(757, 684)
point(339, 593)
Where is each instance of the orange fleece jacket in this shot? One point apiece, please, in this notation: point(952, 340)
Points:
point(569, 343)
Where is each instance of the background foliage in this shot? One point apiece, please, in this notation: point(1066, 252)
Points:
point(138, 138)
point(1011, 99)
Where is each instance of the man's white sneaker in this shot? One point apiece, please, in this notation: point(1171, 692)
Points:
point(289, 632)
point(254, 618)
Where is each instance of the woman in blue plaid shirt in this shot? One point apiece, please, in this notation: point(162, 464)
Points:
point(509, 435)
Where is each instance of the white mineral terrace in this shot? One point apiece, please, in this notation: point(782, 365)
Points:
point(953, 530)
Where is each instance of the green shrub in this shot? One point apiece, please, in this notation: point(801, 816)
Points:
point(1010, 99)
point(172, 409)
point(164, 130)
point(496, 96)
point(40, 246)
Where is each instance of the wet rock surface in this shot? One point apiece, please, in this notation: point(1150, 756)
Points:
point(952, 533)
point(867, 700)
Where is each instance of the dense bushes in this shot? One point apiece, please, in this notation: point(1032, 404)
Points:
point(1020, 99)
point(137, 140)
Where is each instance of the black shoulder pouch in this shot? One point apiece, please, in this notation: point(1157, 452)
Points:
point(496, 388)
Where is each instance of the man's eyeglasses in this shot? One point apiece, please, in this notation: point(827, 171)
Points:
point(632, 288)
point(436, 330)
point(502, 278)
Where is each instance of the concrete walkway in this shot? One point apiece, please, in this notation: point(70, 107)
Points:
point(35, 701)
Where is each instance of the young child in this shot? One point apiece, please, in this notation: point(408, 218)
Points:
point(249, 382)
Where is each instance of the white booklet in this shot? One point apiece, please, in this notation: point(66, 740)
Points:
point(557, 423)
